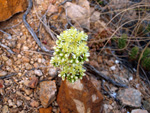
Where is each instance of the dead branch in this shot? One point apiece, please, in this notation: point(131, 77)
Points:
point(31, 30)
point(99, 75)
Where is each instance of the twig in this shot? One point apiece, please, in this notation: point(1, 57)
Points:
point(7, 76)
point(8, 49)
point(102, 76)
point(62, 3)
point(31, 30)
point(9, 36)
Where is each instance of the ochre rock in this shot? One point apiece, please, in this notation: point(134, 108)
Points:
point(10, 7)
point(45, 110)
point(80, 97)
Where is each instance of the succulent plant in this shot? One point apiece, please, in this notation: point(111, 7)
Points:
point(133, 54)
point(71, 52)
point(122, 41)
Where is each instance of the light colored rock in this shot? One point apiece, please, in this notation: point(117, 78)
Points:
point(3, 73)
point(19, 103)
point(82, 97)
point(38, 72)
point(52, 72)
point(25, 48)
point(78, 13)
point(130, 97)
point(139, 111)
point(47, 92)
point(34, 103)
point(5, 109)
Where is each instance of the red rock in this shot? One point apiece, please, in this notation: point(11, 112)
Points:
point(10, 7)
point(1, 83)
point(80, 97)
point(34, 103)
point(45, 110)
point(94, 63)
point(33, 83)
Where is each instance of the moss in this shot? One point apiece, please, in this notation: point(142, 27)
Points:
point(146, 53)
point(133, 54)
point(71, 52)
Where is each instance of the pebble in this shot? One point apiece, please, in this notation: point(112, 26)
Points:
point(25, 48)
point(19, 103)
point(5, 109)
point(139, 111)
point(38, 72)
point(52, 72)
point(5, 58)
point(3, 73)
point(113, 67)
point(34, 103)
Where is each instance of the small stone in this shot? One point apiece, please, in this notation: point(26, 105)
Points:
point(25, 60)
point(45, 110)
point(38, 72)
point(139, 111)
point(53, 72)
point(5, 109)
point(3, 73)
point(130, 97)
point(113, 68)
point(19, 103)
point(5, 58)
point(34, 103)
point(33, 82)
point(25, 48)
point(1, 83)
point(39, 60)
point(47, 92)
point(10, 103)
point(28, 91)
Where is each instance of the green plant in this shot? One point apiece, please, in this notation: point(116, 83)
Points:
point(146, 53)
point(133, 54)
point(122, 41)
point(70, 53)
point(146, 63)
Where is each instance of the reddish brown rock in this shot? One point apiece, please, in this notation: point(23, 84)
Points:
point(10, 7)
point(47, 93)
point(80, 97)
point(45, 110)
point(33, 83)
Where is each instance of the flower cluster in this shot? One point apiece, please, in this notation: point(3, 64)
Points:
point(70, 53)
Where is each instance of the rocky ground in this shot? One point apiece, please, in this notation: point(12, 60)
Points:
point(29, 83)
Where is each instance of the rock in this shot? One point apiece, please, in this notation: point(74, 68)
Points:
point(130, 97)
point(80, 97)
point(1, 83)
point(45, 110)
point(5, 109)
point(28, 91)
point(139, 111)
point(53, 72)
point(33, 82)
point(47, 92)
point(94, 63)
point(34, 103)
point(146, 105)
point(25, 59)
point(95, 16)
point(10, 103)
point(3, 73)
point(52, 9)
point(5, 58)
point(38, 72)
point(78, 13)
point(9, 8)
point(19, 103)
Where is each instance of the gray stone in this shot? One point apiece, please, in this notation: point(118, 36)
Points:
point(130, 97)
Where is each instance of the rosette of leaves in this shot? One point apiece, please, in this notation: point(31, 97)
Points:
point(122, 41)
point(133, 54)
point(146, 59)
point(71, 52)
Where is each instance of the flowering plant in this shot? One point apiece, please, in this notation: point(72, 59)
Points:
point(70, 53)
